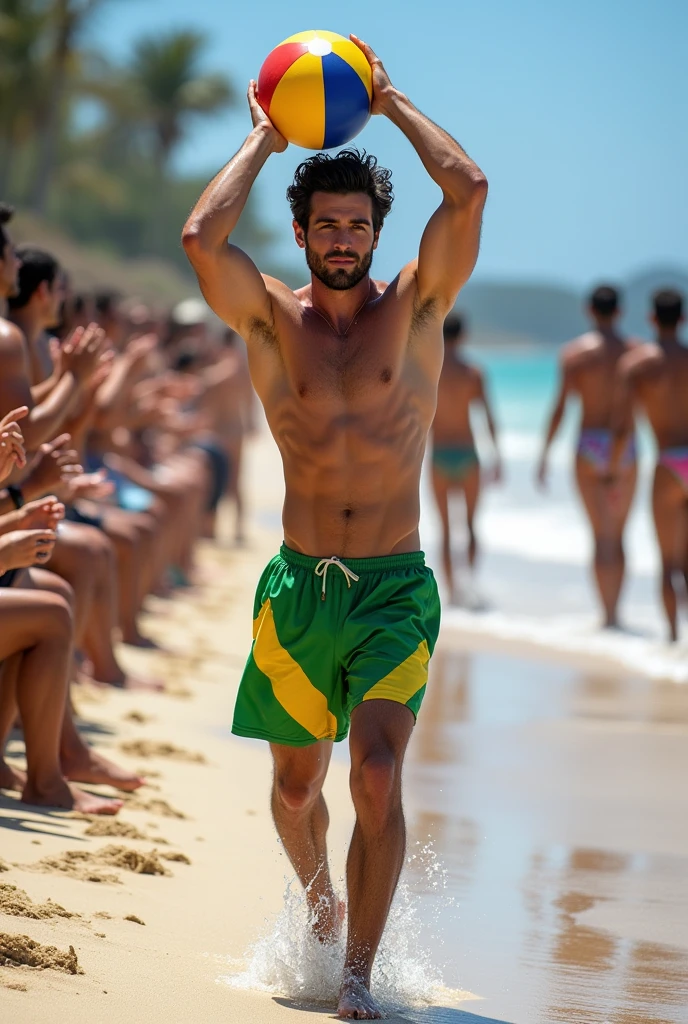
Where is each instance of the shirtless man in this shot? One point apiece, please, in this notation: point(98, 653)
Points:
point(654, 378)
point(587, 370)
point(347, 615)
point(455, 465)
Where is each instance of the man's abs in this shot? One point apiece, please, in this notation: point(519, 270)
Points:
point(351, 522)
point(352, 481)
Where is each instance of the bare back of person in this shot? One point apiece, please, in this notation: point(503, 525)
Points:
point(588, 369)
point(460, 385)
point(591, 362)
point(455, 466)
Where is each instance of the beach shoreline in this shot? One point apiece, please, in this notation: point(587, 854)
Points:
point(160, 947)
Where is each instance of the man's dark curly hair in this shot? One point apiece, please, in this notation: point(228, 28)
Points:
point(348, 171)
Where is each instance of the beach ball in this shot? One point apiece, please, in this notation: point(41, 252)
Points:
point(316, 88)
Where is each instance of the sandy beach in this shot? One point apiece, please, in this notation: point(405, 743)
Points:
point(548, 842)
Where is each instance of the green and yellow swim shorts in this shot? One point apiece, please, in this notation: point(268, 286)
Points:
point(329, 634)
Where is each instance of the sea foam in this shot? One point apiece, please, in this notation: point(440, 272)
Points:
point(289, 961)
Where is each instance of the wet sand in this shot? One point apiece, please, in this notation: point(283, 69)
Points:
point(552, 794)
point(558, 804)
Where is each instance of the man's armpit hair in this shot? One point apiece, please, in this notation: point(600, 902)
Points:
point(264, 329)
point(423, 313)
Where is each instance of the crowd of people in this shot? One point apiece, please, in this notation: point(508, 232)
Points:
point(616, 379)
point(121, 429)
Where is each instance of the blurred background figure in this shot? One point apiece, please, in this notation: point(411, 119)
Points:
point(587, 369)
point(454, 458)
point(654, 379)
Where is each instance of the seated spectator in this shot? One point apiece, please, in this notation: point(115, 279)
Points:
point(36, 632)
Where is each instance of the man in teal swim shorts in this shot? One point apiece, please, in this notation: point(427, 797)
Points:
point(454, 460)
point(347, 615)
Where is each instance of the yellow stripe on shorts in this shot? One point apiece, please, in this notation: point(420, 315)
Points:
point(404, 680)
point(290, 684)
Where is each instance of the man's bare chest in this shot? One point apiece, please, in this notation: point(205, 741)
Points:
point(362, 367)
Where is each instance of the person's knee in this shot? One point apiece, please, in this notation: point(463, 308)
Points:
point(56, 615)
point(608, 550)
point(375, 788)
point(295, 793)
point(102, 550)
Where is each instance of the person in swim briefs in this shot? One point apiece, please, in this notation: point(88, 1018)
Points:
point(654, 378)
point(454, 459)
point(347, 614)
point(587, 371)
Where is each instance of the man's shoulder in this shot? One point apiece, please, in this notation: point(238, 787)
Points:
point(581, 350)
point(643, 358)
point(11, 337)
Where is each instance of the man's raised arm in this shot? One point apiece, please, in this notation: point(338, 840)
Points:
point(229, 279)
point(450, 243)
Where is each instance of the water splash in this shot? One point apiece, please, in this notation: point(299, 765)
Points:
point(288, 960)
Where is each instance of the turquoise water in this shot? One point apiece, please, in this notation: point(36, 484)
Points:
point(521, 384)
point(534, 580)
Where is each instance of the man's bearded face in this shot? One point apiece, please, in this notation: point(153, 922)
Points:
point(340, 278)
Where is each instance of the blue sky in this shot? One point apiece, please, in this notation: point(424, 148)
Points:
point(575, 110)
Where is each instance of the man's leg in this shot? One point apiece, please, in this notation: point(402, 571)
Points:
point(669, 511)
point(38, 627)
point(471, 490)
point(301, 820)
point(85, 557)
point(10, 777)
point(441, 490)
point(80, 763)
point(607, 509)
point(380, 731)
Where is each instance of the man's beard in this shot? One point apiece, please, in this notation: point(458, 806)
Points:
point(339, 280)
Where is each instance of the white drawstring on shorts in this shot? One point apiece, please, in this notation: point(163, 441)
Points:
point(325, 563)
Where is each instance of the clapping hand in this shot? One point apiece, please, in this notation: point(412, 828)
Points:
point(21, 549)
point(52, 467)
point(42, 514)
point(12, 452)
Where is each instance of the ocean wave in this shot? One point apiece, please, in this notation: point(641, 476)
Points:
point(644, 652)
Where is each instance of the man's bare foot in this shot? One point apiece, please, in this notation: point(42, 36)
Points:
point(11, 778)
point(69, 798)
point(356, 1002)
point(327, 918)
point(88, 766)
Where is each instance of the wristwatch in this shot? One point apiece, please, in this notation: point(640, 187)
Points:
point(16, 495)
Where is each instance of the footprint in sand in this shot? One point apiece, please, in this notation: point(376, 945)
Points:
point(123, 829)
point(138, 717)
point(90, 867)
point(17, 903)
point(179, 858)
point(21, 951)
point(154, 748)
point(134, 802)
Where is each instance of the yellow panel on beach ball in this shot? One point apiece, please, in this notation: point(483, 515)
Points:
point(297, 108)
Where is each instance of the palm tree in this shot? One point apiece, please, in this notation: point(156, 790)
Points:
point(23, 26)
point(66, 19)
point(170, 91)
